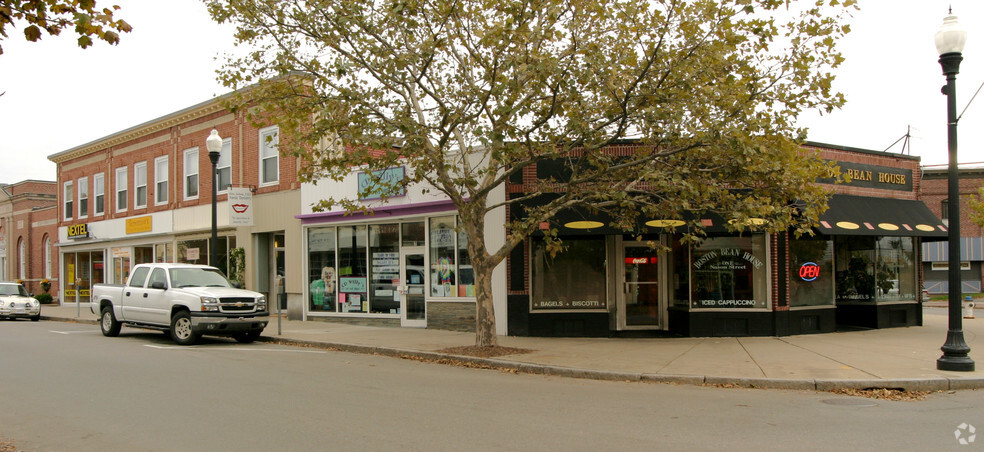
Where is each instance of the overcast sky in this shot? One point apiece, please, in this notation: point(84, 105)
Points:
point(59, 96)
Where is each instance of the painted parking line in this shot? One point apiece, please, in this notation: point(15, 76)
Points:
point(73, 332)
point(236, 349)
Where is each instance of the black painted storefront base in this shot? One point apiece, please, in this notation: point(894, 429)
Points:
point(683, 322)
point(880, 316)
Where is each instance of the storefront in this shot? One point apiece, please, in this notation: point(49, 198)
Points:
point(105, 251)
point(859, 269)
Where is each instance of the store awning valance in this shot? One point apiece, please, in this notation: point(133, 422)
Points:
point(861, 215)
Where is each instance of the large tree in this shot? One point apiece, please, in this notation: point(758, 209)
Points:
point(53, 16)
point(471, 92)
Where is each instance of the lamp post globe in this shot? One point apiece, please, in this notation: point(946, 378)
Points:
point(214, 145)
point(950, 40)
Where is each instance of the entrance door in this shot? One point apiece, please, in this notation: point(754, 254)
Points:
point(639, 304)
point(413, 307)
point(279, 275)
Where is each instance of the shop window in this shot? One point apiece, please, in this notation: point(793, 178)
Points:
point(855, 266)
point(413, 234)
point(895, 274)
point(572, 279)
point(321, 268)
point(730, 272)
point(353, 271)
point(384, 255)
point(450, 276)
point(163, 252)
point(811, 272)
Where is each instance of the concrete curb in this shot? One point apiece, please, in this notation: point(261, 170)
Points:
point(941, 383)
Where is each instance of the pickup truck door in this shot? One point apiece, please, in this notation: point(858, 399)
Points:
point(158, 306)
point(134, 301)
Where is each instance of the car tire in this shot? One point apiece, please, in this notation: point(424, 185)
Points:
point(246, 337)
point(36, 318)
point(181, 331)
point(108, 324)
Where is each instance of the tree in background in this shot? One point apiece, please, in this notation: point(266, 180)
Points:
point(468, 93)
point(53, 16)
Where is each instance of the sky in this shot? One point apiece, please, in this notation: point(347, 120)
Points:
point(59, 96)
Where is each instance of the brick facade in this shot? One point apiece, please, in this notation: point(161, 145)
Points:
point(28, 231)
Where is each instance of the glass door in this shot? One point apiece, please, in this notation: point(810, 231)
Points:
point(639, 304)
point(413, 307)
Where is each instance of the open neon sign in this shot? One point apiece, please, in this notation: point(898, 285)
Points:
point(809, 271)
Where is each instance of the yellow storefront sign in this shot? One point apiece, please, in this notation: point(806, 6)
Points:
point(139, 224)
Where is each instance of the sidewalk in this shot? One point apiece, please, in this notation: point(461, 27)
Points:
point(902, 358)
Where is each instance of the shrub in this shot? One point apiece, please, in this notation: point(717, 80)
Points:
point(43, 298)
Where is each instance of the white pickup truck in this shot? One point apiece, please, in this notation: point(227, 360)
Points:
point(184, 300)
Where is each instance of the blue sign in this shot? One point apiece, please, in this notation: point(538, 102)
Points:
point(387, 182)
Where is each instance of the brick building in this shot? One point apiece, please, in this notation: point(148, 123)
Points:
point(28, 232)
point(144, 194)
point(935, 193)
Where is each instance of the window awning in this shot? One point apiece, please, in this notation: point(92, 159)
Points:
point(861, 215)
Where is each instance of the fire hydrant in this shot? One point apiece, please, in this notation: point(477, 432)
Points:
point(968, 307)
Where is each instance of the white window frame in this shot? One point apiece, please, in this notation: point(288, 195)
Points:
point(83, 190)
point(121, 187)
point(197, 174)
point(161, 194)
point(225, 161)
point(266, 148)
point(98, 191)
point(138, 170)
point(68, 200)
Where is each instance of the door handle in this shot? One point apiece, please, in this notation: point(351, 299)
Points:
point(128, 294)
point(145, 295)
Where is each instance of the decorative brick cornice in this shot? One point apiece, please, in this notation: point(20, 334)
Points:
point(150, 127)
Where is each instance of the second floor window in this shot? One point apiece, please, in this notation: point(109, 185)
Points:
point(68, 196)
point(191, 173)
point(99, 190)
point(83, 197)
point(224, 166)
point(160, 179)
point(121, 195)
point(140, 185)
point(269, 155)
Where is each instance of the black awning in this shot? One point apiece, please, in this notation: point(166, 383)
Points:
point(861, 215)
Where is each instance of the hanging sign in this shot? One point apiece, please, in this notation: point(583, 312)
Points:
point(240, 206)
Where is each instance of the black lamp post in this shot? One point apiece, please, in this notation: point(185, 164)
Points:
point(950, 41)
point(214, 145)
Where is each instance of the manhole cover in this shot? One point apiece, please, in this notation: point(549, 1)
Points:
point(849, 402)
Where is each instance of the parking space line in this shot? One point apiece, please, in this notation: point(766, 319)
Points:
point(72, 332)
point(236, 349)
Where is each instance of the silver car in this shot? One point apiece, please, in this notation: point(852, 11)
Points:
point(15, 302)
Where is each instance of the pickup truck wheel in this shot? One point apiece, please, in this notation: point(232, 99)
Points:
point(246, 336)
point(107, 322)
point(181, 330)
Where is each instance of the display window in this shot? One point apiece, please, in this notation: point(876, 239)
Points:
point(730, 273)
point(81, 270)
point(573, 279)
point(811, 272)
point(451, 273)
point(875, 269)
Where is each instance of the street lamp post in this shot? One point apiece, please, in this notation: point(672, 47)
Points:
point(950, 41)
point(214, 145)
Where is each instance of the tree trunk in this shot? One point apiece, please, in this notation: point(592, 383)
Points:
point(484, 308)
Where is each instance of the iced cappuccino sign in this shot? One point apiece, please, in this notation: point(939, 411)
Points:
point(724, 278)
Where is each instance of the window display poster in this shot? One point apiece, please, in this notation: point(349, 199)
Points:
point(352, 284)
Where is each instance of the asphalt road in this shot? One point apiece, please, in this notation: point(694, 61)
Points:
point(65, 387)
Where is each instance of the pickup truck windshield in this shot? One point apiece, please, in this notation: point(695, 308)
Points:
point(197, 277)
